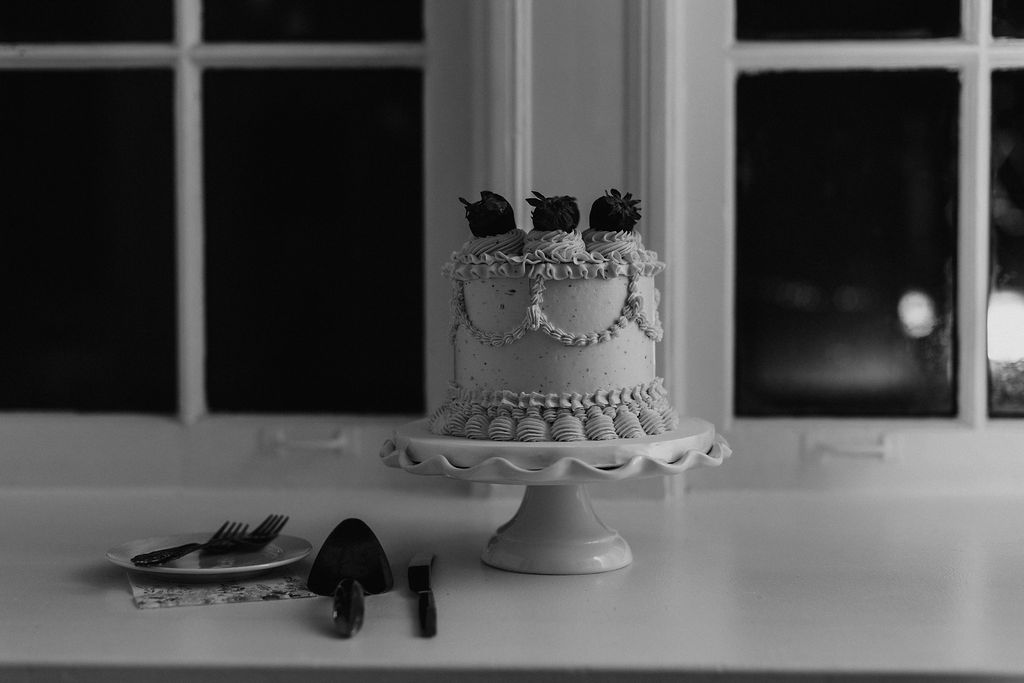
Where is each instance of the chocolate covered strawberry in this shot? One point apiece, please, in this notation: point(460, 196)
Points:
point(615, 212)
point(554, 213)
point(492, 215)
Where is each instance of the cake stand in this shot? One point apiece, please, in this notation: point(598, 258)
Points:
point(555, 530)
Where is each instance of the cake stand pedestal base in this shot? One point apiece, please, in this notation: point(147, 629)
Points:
point(556, 531)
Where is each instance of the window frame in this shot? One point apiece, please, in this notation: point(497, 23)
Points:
point(57, 448)
point(702, 61)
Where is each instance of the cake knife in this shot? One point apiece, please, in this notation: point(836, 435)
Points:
point(419, 583)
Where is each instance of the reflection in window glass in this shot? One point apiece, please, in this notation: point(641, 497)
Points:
point(87, 218)
point(312, 20)
point(1006, 299)
point(1007, 19)
point(314, 240)
point(846, 205)
point(846, 19)
point(64, 21)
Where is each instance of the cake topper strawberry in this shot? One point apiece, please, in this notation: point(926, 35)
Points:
point(554, 213)
point(614, 211)
point(492, 215)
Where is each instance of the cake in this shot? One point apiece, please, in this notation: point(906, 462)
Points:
point(554, 330)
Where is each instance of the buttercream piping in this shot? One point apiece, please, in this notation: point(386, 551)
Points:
point(533, 428)
point(554, 255)
point(627, 424)
point(488, 249)
point(625, 413)
point(567, 427)
point(651, 421)
point(477, 426)
point(556, 246)
point(648, 393)
point(612, 244)
point(551, 270)
point(502, 428)
point(598, 426)
point(535, 318)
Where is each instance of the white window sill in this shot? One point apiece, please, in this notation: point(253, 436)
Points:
point(722, 582)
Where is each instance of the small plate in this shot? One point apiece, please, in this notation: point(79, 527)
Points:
point(197, 567)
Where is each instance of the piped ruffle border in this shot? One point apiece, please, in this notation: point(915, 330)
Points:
point(531, 417)
point(554, 255)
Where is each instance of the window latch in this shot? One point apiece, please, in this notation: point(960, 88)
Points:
point(859, 445)
point(279, 443)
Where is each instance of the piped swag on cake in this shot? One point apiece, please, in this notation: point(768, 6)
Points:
point(553, 331)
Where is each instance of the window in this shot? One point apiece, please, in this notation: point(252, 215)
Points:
point(206, 207)
point(292, 157)
point(691, 104)
point(851, 187)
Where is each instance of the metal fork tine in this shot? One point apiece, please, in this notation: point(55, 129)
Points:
point(275, 529)
point(280, 524)
point(221, 531)
point(265, 525)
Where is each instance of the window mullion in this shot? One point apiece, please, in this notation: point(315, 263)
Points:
point(85, 56)
point(973, 245)
point(343, 55)
point(188, 123)
point(815, 56)
point(977, 21)
point(972, 269)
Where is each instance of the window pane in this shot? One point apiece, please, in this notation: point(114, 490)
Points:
point(87, 222)
point(314, 240)
point(312, 20)
point(1007, 19)
point(1006, 299)
point(846, 19)
point(64, 21)
point(846, 193)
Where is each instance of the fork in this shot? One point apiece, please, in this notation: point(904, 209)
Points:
point(263, 534)
point(224, 538)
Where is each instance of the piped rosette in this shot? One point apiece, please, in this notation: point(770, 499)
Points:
point(555, 246)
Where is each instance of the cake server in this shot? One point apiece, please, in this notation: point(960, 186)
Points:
point(351, 563)
point(419, 583)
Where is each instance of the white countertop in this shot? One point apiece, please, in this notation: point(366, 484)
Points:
point(727, 583)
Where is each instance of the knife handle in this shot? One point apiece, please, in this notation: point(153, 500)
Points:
point(428, 614)
point(348, 607)
point(156, 557)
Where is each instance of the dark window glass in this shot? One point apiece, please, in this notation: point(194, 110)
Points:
point(846, 19)
point(312, 20)
point(314, 240)
point(87, 222)
point(1007, 19)
point(1006, 298)
point(846, 208)
point(64, 21)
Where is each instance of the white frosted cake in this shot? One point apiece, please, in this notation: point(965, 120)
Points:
point(553, 331)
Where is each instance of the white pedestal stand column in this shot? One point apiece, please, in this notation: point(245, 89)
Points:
point(556, 531)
